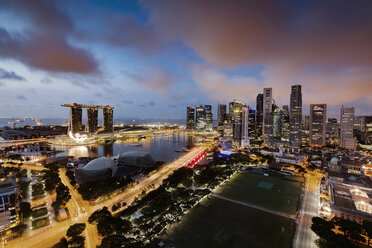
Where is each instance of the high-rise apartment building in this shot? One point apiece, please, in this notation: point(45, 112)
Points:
point(295, 116)
point(347, 139)
point(318, 113)
point(190, 118)
point(9, 198)
point(259, 115)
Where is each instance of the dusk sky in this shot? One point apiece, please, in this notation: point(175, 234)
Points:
point(153, 58)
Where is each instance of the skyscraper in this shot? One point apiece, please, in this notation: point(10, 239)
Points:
point(245, 126)
point(221, 112)
point(277, 123)
point(259, 114)
point(235, 112)
point(75, 122)
point(190, 118)
point(346, 131)
point(252, 124)
point(267, 115)
point(92, 120)
point(285, 123)
point(221, 118)
point(208, 117)
point(318, 113)
point(295, 116)
point(200, 118)
point(108, 119)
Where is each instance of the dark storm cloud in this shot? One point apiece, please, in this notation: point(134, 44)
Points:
point(324, 45)
point(127, 32)
point(11, 75)
point(44, 45)
point(255, 31)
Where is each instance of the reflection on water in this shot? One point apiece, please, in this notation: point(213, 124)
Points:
point(162, 148)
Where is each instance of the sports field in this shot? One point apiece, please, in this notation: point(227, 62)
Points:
point(222, 224)
point(272, 192)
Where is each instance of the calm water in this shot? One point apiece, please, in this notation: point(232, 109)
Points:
point(162, 148)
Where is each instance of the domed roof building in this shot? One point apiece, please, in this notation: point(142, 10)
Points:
point(334, 161)
point(97, 170)
point(136, 158)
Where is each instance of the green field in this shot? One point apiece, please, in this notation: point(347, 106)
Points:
point(272, 192)
point(218, 223)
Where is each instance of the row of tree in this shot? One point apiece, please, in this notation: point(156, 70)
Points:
point(341, 233)
point(73, 237)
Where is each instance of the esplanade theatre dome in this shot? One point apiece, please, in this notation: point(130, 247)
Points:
point(97, 170)
point(136, 158)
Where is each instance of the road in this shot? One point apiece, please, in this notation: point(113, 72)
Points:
point(50, 236)
point(304, 237)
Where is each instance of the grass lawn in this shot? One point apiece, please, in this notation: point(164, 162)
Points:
point(40, 223)
point(272, 192)
point(39, 212)
point(222, 224)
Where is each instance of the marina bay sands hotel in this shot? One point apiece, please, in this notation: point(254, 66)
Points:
point(76, 112)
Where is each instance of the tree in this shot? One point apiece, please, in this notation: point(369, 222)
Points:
point(77, 242)
point(19, 229)
point(348, 227)
point(61, 244)
point(104, 227)
point(75, 230)
point(367, 228)
point(113, 241)
point(25, 209)
point(99, 215)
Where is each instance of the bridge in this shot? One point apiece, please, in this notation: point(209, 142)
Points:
point(22, 142)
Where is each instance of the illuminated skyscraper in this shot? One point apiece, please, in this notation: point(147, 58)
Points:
point(346, 131)
point(318, 113)
point(221, 112)
point(208, 117)
point(295, 116)
point(221, 118)
point(268, 115)
point(245, 126)
point(200, 118)
point(252, 124)
point(190, 116)
point(277, 123)
point(235, 112)
point(259, 115)
point(285, 123)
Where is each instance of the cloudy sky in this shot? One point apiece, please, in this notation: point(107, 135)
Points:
point(151, 58)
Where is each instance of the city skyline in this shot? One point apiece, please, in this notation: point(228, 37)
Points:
point(146, 64)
